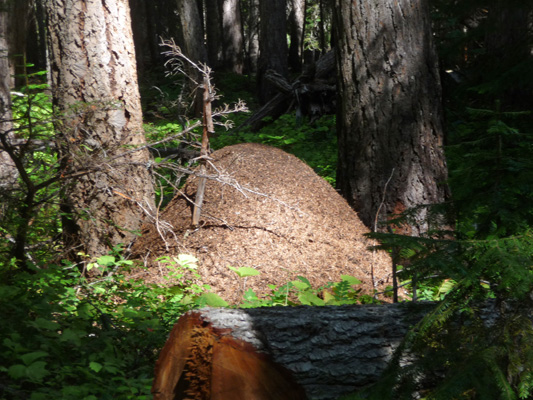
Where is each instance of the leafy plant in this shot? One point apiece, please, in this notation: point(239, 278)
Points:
point(63, 336)
point(300, 291)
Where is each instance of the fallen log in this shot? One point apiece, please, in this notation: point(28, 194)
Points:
point(312, 93)
point(281, 352)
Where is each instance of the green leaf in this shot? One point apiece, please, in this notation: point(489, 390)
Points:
point(304, 279)
point(31, 357)
point(96, 367)
point(213, 300)
point(310, 299)
point(445, 288)
point(106, 261)
point(69, 335)
point(301, 285)
point(17, 371)
point(244, 271)
point(37, 371)
point(351, 279)
point(250, 295)
point(46, 324)
point(329, 298)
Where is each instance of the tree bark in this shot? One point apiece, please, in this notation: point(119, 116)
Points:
point(273, 49)
point(96, 99)
point(232, 35)
point(389, 111)
point(297, 25)
point(252, 37)
point(327, 351)
point(191, 41)
point(143, 36)
point(8, 171)
point(17, 31)
point(213, 30)
point(225, 41)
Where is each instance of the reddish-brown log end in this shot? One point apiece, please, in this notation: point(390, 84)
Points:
point(202, 363)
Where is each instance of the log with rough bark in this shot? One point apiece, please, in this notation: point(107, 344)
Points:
point(282, 352)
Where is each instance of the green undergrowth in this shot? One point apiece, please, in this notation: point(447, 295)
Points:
point(64, 336)
point(313, 142)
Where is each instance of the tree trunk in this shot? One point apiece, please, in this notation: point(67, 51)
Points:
point(225, 42)
point(296, 24)
point(272, 44)
point(36, 36)
point(232, 36)
point(389, 111)
point(96, 97)
point(191, 41)
point(327, 351)
point(213, 30)
point(8, 172)
point(252, 37)
point(142, 36)
point(19, 12)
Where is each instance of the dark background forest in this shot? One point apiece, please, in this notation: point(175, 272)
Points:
point(417, 112)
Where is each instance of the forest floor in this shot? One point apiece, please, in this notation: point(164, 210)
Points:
point(266, 210)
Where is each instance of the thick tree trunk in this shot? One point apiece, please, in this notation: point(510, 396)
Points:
point(327, 351)
point(17, 31)
point(96, 97)
point(273, 49)
point(252, 37)
point(8, 171)
point(213, 31)
point(142, 36)
point(296, 28)
point(232, 35)
point(225, 41)
point(191, 41)
point(36, 36)
point(389, 110)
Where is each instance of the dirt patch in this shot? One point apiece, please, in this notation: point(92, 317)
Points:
point(284, 220)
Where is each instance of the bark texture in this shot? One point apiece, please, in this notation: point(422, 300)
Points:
point(144, 35)
point(329, 351)
point(8, 171)
point(19, 12)
point(213, 30)
point(232, 35)
point(273, 49)
point(389, 110)
point(252, 36)
point(191, 37)
point(224, 31)
point(296, 29)
point(96, 97)
point(191, 41)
